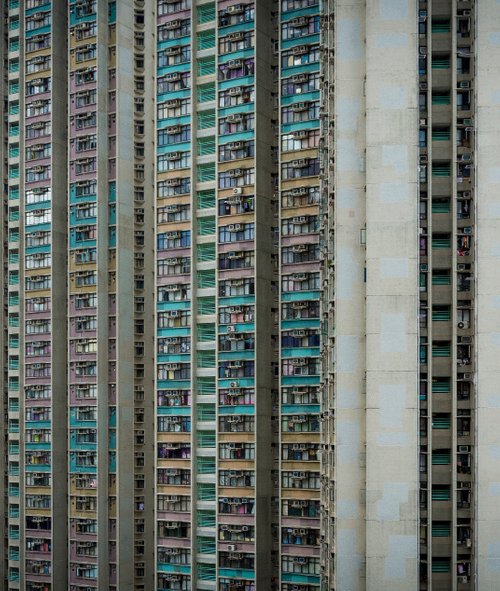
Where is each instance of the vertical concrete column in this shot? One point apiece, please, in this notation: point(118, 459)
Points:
point(487, 530)
point(349, 347)
point(391, 295)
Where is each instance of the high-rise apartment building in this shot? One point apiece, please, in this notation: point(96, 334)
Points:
point(250, 308)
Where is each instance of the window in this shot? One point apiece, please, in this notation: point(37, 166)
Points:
point(174, 135)
point(174, 108)
point(300, 423)
point(173, 266)
point(174, 293)
point(85, 30)
point(301, 282)
point(174, 424)
point(301, 537)
point(236, 287)
point(300, 55)
point(85, 52)
point(300, 27)
point(236, 41)
point(300, 253)
point(169, 7)
point(236, 150)
point(300, 366)
point(174, 30)
point(307, 565)
point(38, 64)
point(237, 177)
point(236, 369)
point(173, 213)
point(174, 54)
point(174, 318)
point(174, 81)
point(300, 140)
point(240, 13)
point(172, 187)
point(175, 239)
point(237, 95)
point(86, 120)
point(39, 107)
point(300, 225)
point(174, 397)
point(38, 42)
point(236, 232)
point(174, 161)
point(236, 204)
point(236, 123)
point(237, 478)
point(85, 76)
point(38, 20)
point(174, 476)
point(300, 479)
point(39, 129)
point(38, 195)
point(300, 168)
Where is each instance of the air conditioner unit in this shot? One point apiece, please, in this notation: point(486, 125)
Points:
point(236, 173)
point(299, 248)
point(235, 227)
point(467, 230)
point(173, 50)
point(464, 84)
point(237, 191)
point(461, 267)
point(423, 86)
point(299, 219)
point(235, 9)
point(231, 329)
point(234, 64)
point(424, 266)
point(462, 579)
point(174, 129)
point(300, 191)
point(298, 78)
point(235, 145)
point(173, 77)
point(234, 254)
point(175, 24)
point(463, 448)
point(467, 376)
point(300, 107)
point(298, 333)
point(300, 49)
point(424, 159)
point(237, 36)
point(301, 21)
point(298, 276)
point(235, 309)
point(231, 547)
point(234, 118)
point(300, 135)
point(174, 156)
point(461, 325)
point(422, 50)
point(235, 91)
point(233, 384)
point(302, 163)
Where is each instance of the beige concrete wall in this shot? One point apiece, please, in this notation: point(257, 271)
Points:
point(487, 528)
point(391, 295)
point(349, 218)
